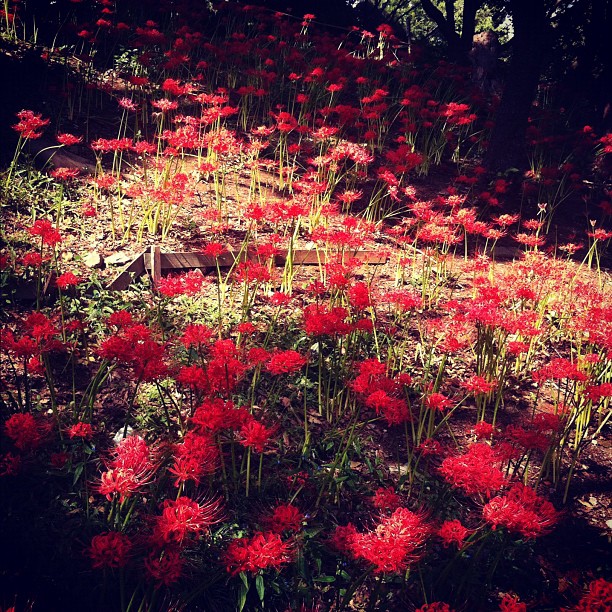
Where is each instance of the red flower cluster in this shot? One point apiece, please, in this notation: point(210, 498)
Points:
point(320, 321)
point(26, 431)
point(385, 499)
point(380, 392)
point(286, 362)
point(521, 510)
point(598, 599)
point(81, 430)
point(68, 279)
point(184, 518)
point(453, 532)
point(391, 546)
point(510, 603)
point(130, 469)
point(29, 124)
point(285, 517)
point(559, 369)
point(165, 567)
point(196, 457)
point(189, 283)
point(134, 346)
point(215, 415)
point(256, 435)
point(111, 549)
point(263, 551)
point(435, 606)
point(474, 472)
point(48, 234)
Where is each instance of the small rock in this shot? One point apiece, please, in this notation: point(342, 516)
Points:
point(93, 259)
point(117, 259)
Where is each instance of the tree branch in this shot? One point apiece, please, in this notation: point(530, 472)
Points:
point(438, 18)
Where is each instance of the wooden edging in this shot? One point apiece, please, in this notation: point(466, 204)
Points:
point(155, 262)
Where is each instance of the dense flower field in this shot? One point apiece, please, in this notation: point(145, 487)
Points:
point(400, 425)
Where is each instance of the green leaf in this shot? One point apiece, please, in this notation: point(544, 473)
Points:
point(325, 579)
point(260, 586)
point(245, 580)
point(77, 472)
point(242, 597)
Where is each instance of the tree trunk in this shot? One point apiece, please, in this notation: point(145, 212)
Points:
point(507, 143)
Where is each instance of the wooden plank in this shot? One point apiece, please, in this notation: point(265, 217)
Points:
point(156, 262)
point(301, 257)
point(310, 257)
point(132, 270)
point(156, 268)
point(179, 261)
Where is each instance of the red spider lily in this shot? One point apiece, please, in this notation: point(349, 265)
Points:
point(596, 392)
point(104, 145)
point(213, 249)
point(184, 518)
point(224, 370)
point(81, 430)
point(132, 453)
point(189, 283)
point(393, 544)
point(318, 321)
point(111, 549)
point(559, 369)
point(474, 472)
point(484, 430)
point(196, 457)
point(10, 464)
point(285, 517)
point(105, 181)
point(247, 328)
point(598, 598)
point(133, 346)
point(26, 431)
point(29, 124)
point(122, 482)
point(286, 362)
point(68, 279)
point(215, 415)
point(452, 532)
point(120, 319)
point(478, 385)
point(165, 567)
point(385, 499)
point(64, 174)
point(262, 551)
point(511, 603)
point(531, 240)
point(522, 511)
point(438, 402)
point(24, 347)
point(394, 410)
point(130, 469)
point(68, 140)
point(252, 272)
point(197, 335)
point(193, 377)
point(435, 606)
point(32, 259)
point(256, 435)
point(528, 439)
point(359, 296)
point(164, 105)
point(47, 232)
point(258, 355)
